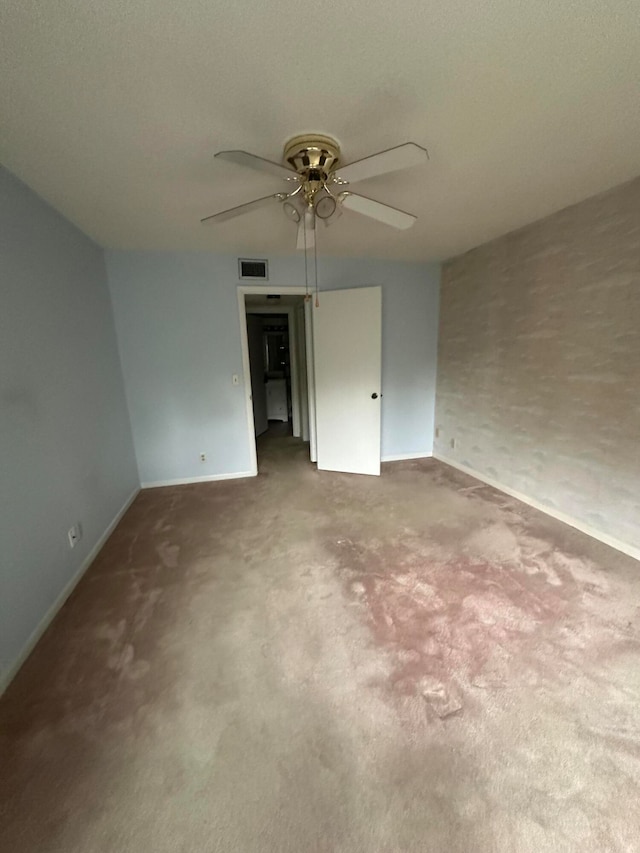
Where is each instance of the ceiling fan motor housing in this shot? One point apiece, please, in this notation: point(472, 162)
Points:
point(313, 156)
point(312, 151)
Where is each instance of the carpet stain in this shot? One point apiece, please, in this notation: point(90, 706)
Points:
point(510, 610)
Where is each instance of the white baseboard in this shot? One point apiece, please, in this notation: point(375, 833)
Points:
point(398, 457)
point(208, 478)
point(624, 547)
point(7, 677)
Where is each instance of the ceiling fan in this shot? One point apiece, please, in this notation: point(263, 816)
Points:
point(317, 185)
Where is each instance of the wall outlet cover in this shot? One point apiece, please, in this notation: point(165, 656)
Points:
point(74, 535)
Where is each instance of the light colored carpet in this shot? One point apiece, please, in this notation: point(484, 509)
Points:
point(320, 662)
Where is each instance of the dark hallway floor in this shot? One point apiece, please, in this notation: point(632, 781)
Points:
point(276, 440)
point(325, 663)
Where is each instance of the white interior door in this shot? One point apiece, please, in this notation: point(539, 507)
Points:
point(302, 371)
point(347, 341)
point(311, 378)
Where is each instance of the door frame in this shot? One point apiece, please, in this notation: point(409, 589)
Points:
point(276, 290)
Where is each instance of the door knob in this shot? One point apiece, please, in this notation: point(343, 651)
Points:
point(374, 396)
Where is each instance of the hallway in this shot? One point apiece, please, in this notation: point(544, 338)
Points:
point(277, 445)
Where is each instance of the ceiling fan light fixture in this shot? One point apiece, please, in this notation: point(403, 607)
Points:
point(325, 207)
point(291, 211)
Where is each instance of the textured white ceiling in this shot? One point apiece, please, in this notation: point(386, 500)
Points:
point(112, 111)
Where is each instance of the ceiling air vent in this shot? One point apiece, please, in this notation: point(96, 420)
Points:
point(248, 268)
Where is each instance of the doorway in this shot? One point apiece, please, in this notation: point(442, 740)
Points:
point(342, 343)
point(278, 377)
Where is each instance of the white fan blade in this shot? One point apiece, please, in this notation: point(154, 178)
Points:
point(401, 157)
point(309, 224)
point(242, 208)
point(376, 210)
point(252, 161)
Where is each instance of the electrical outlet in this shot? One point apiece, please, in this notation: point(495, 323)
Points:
point(437, 432)
point(74, 535)
point(453, 443)
point(203, 457)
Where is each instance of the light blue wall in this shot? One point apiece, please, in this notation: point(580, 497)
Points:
point(178, 329)
point(66, 453)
